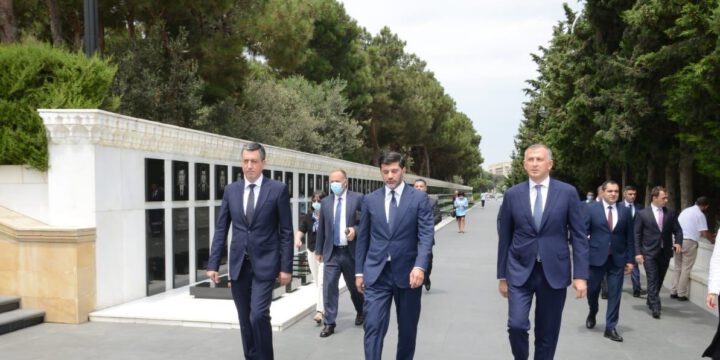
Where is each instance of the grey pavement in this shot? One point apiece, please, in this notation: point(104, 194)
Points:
point(463, 317)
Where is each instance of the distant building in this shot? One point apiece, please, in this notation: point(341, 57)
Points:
point(501, 168)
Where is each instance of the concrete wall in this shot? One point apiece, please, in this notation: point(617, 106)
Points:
point(24, 190)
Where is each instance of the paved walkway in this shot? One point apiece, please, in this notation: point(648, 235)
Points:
point(463, 318)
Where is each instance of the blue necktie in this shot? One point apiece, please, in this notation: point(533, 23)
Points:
point(336, 222)
point(250, 209)
point(537, 214)
point(538, 209)
point(392, 212)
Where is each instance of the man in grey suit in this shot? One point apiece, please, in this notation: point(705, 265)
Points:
point(335, 247)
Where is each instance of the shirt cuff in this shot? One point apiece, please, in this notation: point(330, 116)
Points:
point(358, 275)
point(417, 267)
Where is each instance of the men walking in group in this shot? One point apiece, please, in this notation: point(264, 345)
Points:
point(610, 231)
point(694, 225)
point(539, 220)
point(335, 247)
point(258, 211)
point(629, 196)
point(393, 251)
point(655, 227)
point(421, 185)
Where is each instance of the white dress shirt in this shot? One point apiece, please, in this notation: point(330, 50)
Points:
point(343, 217)
point(543, 190)
point(614, 212)
point(714, 273)
point(246, 193)
point(655, 214)
point(388, 198)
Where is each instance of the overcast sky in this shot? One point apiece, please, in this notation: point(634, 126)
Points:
point(479, 50)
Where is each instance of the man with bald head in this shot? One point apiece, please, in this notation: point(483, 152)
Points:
point(538, 221)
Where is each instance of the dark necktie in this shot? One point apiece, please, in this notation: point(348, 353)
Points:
point(610, 218)
point(250, 209)
point(392, 211)
point(336, 222)
point(538, 208)
point(632, 211)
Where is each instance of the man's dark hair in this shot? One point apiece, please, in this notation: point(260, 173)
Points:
point(254, 147)
point(656, 191)
point(630, 188)
point(702, 201)
point(420, 180)
point(608, 182)
point(391, 157)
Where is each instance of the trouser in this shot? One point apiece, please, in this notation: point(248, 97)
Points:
point(683, 267)
point(252, 300)
point(655, 268)
point(317, 271)
point(614, 276)
point(549, 304)
point(340, 263)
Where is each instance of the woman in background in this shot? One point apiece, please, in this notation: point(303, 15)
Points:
point(309, 226)
point(461, 205)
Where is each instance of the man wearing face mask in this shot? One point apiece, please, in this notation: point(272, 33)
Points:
point(339, 217)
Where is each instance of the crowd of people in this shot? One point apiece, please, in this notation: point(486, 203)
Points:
point(549, 240)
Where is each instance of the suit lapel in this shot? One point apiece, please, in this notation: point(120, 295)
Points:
point(264, 191)
point(549, 203)
point(402, 207)
point(349, 205)
point(525, 202)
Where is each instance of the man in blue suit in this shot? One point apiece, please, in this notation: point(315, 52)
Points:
point(393, 250)
point(538, 221)
point(258, 211)
point(339, 216)
point(612, 254)
point(629, 200)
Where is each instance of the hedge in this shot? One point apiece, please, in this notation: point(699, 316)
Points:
point(35, 76)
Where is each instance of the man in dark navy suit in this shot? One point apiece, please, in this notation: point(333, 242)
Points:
point(538, 221)
point(335, 247)
point(629, 201)
point(655, 227)
point(610, 233)
point(393, 250)
point(258, 210)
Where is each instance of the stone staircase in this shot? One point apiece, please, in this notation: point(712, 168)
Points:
point(12, 317)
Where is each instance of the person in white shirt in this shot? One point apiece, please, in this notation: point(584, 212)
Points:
point(694, 225)
point(713, 351)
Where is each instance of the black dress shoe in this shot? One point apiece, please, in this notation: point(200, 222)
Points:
point(613, 335)
point(683, 298)
point(673, 296)
point(327, 331)
point(427, 284)
point(359, 319)
point(643, 292)
point(604, 296)
point(636, 293)
point(656, 314)
point(590, 322)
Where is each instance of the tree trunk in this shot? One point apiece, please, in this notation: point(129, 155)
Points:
point(685, 168)
point(55, 22)
point(650, 182)
point(8, 24)
point(623, 180)
point(671, 183)
point(608, 172)
point(427, 161)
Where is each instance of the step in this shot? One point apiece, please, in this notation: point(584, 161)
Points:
point(19, 319)
point(9, 303)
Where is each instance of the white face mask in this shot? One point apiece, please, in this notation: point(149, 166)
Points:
point(316, 205)
point(336, 188)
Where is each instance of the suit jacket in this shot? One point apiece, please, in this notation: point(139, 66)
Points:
point(602, 241)
point(409, 244)
point(562, 225)
point(648, 236)
point(636, 205)
point(353, 207)
point(267, 240)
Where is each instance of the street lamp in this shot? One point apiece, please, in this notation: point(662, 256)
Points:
point(90, 12)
